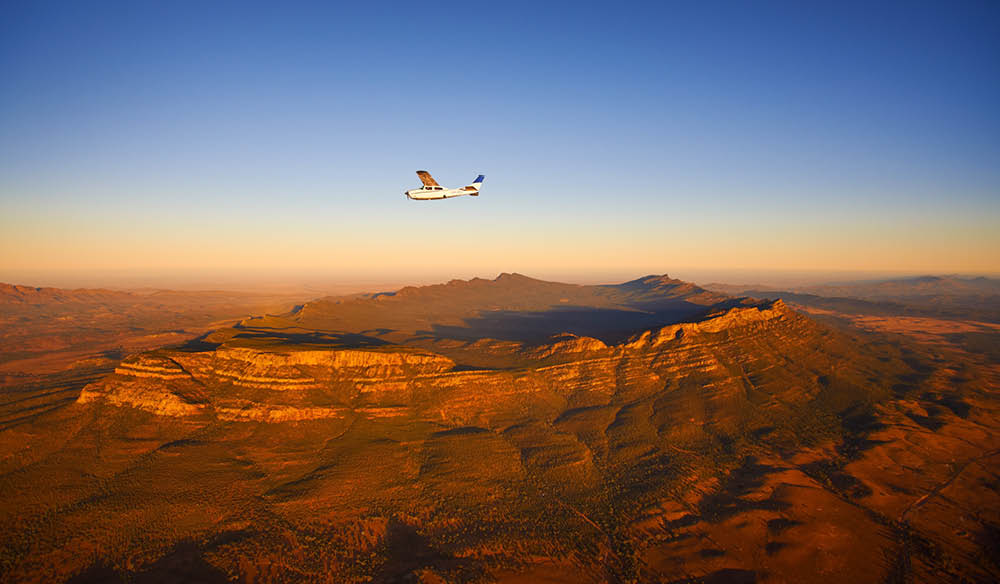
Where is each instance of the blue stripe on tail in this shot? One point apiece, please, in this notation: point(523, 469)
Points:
point(479, 179)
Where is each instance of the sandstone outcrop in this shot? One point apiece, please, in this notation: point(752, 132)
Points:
point(273, 384)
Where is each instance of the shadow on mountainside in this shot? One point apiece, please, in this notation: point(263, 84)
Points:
point(252, 338)
point(607, 324)
point(406, 552)
point(315, 339)
point(184, 563)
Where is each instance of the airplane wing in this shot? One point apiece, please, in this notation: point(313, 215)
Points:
point(427, 179)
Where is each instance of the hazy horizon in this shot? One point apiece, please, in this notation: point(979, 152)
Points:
point(303, 282)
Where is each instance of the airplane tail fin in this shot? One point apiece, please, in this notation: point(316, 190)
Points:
point(475, 186)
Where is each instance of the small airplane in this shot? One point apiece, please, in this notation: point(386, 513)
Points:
point(431, 190)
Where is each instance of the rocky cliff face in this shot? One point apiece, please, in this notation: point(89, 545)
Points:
point(257, 384)
point(274, 384)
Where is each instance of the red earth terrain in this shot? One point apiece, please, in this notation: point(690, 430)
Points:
point(507, 430)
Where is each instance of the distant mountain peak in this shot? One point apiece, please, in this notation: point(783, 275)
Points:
point(653, 280)
point(514, 277)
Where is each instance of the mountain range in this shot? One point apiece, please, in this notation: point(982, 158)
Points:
point(515, 430)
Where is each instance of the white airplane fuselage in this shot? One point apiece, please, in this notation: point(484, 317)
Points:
point(432, 193)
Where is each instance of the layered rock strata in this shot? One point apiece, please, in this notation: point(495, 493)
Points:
point(267, 384)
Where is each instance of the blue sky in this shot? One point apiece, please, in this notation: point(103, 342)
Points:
point(616, 137)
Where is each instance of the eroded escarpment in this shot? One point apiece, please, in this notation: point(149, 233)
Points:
point(256, 383)
point(264, 383)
